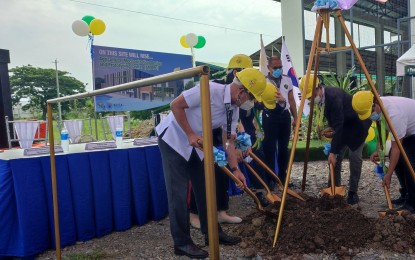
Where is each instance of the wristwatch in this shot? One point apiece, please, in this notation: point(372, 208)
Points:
point(234, 168)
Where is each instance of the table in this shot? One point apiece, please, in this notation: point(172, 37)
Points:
point(98, 192)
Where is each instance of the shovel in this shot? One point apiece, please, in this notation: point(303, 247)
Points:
point(250, 193)
point(280, 185)
point(273, 198)
point(390, 210)
point(333, 190)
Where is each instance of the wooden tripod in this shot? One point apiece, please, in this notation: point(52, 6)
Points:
point(316, 50)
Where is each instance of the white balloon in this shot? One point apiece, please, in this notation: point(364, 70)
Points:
point(80, 27)
point(191, 39)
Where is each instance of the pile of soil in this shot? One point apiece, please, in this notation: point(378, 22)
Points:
point(326, 225)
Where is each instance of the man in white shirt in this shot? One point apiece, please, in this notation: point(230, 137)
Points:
point(180, 136)
point(277, 122)
point(401, 112)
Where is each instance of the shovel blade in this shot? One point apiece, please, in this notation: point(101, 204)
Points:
point(383, 213)
point(340, 190)
point(273, 198)
point(327, 191)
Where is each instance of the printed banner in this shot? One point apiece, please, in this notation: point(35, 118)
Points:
point(114, 66)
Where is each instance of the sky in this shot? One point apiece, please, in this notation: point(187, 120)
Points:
point(38, 32)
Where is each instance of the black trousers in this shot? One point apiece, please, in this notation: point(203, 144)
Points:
point(221, 179)
point(177, 173)
point(402, 172)
point(277, 129)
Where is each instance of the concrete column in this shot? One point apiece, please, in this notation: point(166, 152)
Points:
point(5, 96)
point(380, 59)
point(292, 20)
point(340, 36)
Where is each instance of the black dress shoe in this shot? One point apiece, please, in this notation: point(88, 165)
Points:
point(352, 198)
point(191, 250)
point(264, 202)
point(399, 201)
point(225, 239)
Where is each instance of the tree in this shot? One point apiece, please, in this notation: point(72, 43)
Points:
point(39, 85)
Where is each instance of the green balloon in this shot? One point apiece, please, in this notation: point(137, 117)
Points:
point(201, 41)
point(88, 19)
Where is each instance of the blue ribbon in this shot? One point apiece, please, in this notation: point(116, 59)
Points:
point(243, 141)
point(325, 4)
point(378, 170)
point(219, 156)
point(327, 148)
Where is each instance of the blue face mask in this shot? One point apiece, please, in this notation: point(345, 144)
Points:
point(375, 116)
point(277, 73)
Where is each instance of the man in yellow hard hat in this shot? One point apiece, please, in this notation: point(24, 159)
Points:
point(179, 140)
point(236, 64)
point(401, 111)
point(348, 131)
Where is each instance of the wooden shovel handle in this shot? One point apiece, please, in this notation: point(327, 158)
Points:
point(333, 188)
point(388, 198)
point(246, 189)
point(258, 177)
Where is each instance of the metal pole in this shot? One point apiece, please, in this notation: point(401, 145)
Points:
point(369, 80)
point(54, 184)
point(210, 184)
point(57, 89)
point(297, 128)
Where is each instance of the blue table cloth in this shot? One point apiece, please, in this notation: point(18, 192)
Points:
point(98, 192)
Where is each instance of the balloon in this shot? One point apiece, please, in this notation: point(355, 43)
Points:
point(370, 135)
point(183, 42)
point(80, 28)
point(201, 41)
point(371, 146)
point(97, 27)
point(191, 39)
point(88, 19)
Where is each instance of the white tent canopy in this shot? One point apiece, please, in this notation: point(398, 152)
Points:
point(408, 58)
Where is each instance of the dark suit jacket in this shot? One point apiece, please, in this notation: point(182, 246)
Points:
point(349, 129)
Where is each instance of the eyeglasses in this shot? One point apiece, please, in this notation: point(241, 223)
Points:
point(275, 68)
point(251, 97)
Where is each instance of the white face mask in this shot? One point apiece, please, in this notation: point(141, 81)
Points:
point(317, 100)
point(247, 105)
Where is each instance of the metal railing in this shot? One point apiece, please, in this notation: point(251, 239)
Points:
point(207, 145)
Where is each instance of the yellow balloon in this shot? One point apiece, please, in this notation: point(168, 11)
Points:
point(183, 42)
point(370, 134)
point(97, 27)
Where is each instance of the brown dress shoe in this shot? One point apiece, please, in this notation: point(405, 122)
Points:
point(190, 250)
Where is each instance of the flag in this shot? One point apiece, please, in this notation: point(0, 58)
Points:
point(263, 61)
point(288, 69)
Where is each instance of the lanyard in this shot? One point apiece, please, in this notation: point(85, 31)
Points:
point(381, 139)
point(229, 114)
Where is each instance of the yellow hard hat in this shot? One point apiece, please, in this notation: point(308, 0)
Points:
point(362, 103)
point(309, 87)
point(240, 61)
point(268, 97)
point(253, 80)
